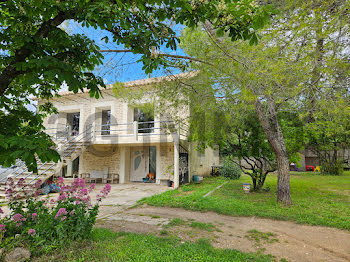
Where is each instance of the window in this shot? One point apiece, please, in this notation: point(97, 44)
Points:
point(106, 122)
point(145, 119)
point(73, 120)
point(153, 159)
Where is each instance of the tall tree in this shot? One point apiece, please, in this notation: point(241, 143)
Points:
point(38, 56)
point(300, 61)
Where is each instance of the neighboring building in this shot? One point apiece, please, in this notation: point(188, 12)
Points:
point(110, 136)
point(310, 158)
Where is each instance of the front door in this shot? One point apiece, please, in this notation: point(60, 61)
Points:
point(139, 163)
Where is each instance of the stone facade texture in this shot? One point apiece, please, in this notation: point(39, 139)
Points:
point(108, 152)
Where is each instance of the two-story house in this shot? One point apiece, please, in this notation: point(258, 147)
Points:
point(111, 136)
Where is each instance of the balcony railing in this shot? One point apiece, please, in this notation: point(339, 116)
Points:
point(58, 133)
point(135, 129)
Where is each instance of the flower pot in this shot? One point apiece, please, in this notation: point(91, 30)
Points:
point(246, 187)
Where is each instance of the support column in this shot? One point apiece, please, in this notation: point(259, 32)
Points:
point(157, 124)
point(69, 168)
point(136, 130)
point(122, 170)
point(81, 164)
point(176, 163)
point(158, 167)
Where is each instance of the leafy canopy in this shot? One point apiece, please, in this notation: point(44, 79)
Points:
point(300, 65)
point(38, 55)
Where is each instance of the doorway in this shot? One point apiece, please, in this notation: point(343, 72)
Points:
point(143, 160)
point(139, 163)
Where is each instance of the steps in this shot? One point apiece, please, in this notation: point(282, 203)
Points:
point(68, 150)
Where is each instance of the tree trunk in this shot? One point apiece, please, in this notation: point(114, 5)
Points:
point(316, 72)
point(269, 121)
point(261, 181)
point(254, 184)
point(283, 183)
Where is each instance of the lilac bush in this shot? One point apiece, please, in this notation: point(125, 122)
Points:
point(41, 221)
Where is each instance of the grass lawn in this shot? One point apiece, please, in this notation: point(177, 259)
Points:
point(105, 245)
point(317, 199)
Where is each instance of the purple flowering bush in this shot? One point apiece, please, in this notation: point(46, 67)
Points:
point(41, 221)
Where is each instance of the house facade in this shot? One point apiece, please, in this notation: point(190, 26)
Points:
point(128, 141)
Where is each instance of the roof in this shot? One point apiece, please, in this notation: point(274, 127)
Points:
point(141, 82)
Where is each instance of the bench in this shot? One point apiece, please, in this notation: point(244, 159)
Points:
point(100, 176)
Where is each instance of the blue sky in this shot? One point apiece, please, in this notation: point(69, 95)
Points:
point(120, 67)
point(117, 67)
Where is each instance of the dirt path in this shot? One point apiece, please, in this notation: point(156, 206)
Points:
point(282, 239)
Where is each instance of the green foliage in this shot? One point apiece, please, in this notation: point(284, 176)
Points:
point(328, 136)
point(43, 224)
point(259, 236)
point(245, 136)
point(204, 226)
point(38, 55)
point(317, 200)
point(246, 141)
point(335, 167)
point(286, 76)
point(21, 136)
point(294, 134)
point(142, 247)
point(175, 222)
point(230, 170)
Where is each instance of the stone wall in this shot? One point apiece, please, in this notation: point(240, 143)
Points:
point(166, 161)
point(201, 163)
point(90, 110)
point(98, 158)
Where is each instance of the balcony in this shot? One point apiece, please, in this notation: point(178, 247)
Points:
point(123, 133)
point(136, 132)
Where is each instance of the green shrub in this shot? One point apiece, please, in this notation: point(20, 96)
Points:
point(230, 170)
point(334, 168)
point(46, 223)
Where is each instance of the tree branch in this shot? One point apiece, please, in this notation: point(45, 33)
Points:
point(247, 160)
point(10, 72)
point(210, 32)
point(240, 166)
point(160, 55)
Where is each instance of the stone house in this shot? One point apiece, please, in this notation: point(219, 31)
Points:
point(112, 137)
